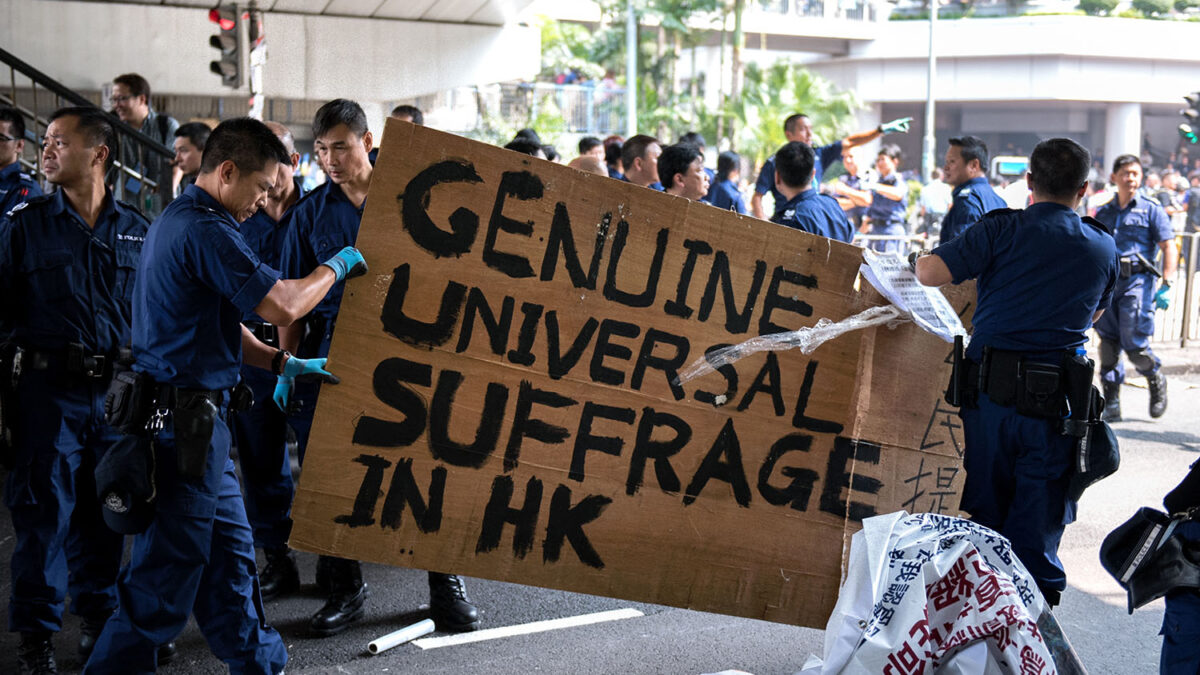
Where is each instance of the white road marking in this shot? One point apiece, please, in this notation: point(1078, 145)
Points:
point(527, 628)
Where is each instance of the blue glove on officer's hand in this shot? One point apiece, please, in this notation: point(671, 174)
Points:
point(295, 367)
point(347, 264)
point(1162, 299)
point(896, 126)
point(283, 392)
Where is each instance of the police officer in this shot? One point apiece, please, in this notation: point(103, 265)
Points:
point(965, 168)
point(1140, 227)
point(725, 193)
point(886, 201)
point(15, 185)
point(325, 220)
point(1043, 277)
point(67, 263)
point(681, 171)
point(197, 279)
point(639, 160)
point(799, 127)
point(260, 433)
point(189, 148)
point(803, 207)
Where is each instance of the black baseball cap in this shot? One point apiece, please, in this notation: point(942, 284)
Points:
point(125, 485)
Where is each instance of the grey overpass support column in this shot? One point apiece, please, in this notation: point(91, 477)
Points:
point(1122, 131)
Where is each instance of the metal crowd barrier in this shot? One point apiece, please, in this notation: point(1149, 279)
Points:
point(1178, 322)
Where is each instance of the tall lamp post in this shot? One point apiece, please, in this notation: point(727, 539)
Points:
point(631, 55)
point(930, 144)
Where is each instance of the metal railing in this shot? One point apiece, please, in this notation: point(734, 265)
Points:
point(593, 108)
point(849, 10)
point(1178, 322)
point(142, 172)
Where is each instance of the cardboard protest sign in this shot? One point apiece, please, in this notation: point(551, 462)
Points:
point(508, 406)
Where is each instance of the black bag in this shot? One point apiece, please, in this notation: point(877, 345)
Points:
point(1097, 456)
point(1147, 557)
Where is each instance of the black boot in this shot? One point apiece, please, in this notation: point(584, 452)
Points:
point(449, 605)
point(280, 576)
point(324, 575)
point(166, 653)
point(1158, 394)
point(1112, 402)
point(89, 632)
point(346, 598)
point(35, 655)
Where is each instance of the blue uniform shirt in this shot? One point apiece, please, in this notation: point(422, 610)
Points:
point(1042, 274)
point(726, 196)
point(15, 187)
point(885, 210)
point(969, 202)
point(265, 236)
point(815, 213)
point(323, 223)
point(63, 282)
point(196, 280)
point(1137, 228)
point(826, 155)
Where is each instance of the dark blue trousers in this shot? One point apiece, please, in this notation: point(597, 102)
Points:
point(1018, 468)
point(1127, 326)
point(196, 558)
point(260, 435)
point(1181, 623)
point(62, 543)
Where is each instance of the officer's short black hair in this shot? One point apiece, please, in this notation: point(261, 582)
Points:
point(524, 146)
point(529, 134)
point(1058, 167)
point(971, 147)
point(694, 138)
point(15, 120)
point(676, 159)
point(612, 149)
point(891, 150)
point(794, 164)
point(95, 125)
point(1124, 161)
point(196, 132)
point(588, 143)
point(410, 111)
point(727, 162)
point(634, 148)
point(339, 111)
point(789, 125)
point(550, 152)
point(247, 142)
point(136, 84)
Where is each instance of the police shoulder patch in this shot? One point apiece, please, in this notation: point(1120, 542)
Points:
point(34, 201)
point(964, 192)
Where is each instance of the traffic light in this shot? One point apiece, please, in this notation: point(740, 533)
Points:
point(229, 66)
point(1190, 129)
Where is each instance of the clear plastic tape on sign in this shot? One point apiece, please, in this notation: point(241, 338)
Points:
point(805, 339)
point(926, 306)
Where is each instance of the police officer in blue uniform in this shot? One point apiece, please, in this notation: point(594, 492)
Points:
point(1043, 276)
point(1141, 228)
point(67, 264)
point(260, 433)
point(639, 159)
point(15, 185)
point(965, 169)
point(325, 220)
point(681, 171)
point(886, 201)
point(197, 278)
point(799, 127)
point(803, 207)
point(725, 193)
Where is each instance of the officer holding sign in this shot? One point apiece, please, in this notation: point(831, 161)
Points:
point(1044, 275)
point(197, 279)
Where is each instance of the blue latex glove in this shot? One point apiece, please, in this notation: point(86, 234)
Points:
point(1162, 299)
point(896, 126)
point(295, 367)
point(347, 264)
point(283, 391)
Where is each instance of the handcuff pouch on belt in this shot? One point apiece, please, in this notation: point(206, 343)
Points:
point(129, 401)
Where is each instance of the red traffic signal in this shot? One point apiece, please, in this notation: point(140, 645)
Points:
point(223, 17)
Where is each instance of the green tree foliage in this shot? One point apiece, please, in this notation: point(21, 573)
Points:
point(1098, 7)
point(1183, 6)
point(1152, 7)
point(769, 95)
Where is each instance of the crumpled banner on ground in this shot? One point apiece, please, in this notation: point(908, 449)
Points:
point(927, 593)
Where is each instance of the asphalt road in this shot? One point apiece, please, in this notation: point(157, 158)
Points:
point(1155, 455)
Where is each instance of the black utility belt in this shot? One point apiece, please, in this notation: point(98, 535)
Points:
point(1060, 391)
point(72, 360)
point(1131, 265)
point(267, 333)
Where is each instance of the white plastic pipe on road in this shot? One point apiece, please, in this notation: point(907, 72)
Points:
point(386, 642)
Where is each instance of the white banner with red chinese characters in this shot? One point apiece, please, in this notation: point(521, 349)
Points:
point(928, 593)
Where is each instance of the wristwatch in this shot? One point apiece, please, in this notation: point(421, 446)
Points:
point(277, 362)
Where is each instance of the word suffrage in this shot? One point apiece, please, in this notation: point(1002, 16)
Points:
point(510, 406)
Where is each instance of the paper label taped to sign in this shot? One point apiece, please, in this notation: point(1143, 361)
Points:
point(890, 275)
